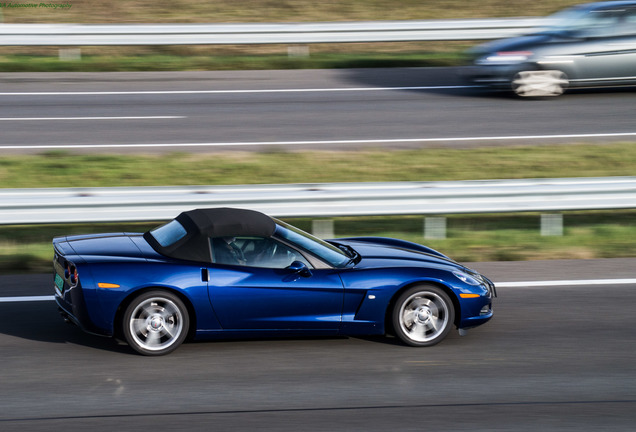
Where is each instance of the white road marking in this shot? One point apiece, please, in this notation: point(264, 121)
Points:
point(26, 299)
point(553, 283)
point(172, 92)
point(90, 118)
point(563, 283)
point(315, 143)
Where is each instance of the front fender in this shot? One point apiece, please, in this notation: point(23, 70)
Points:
point(370, 294)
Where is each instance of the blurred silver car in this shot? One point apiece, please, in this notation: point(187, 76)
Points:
point(588, 45)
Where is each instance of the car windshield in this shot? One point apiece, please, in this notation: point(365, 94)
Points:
point(169, 233)
point(579, 20)
point(327, 252)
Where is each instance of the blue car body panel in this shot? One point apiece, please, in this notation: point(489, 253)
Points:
point(235, 300)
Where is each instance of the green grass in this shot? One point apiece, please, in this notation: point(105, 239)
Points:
point(253, 61)
point(60, 169)
point(470, 238)
point(204, 11)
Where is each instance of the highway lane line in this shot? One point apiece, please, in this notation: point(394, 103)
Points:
point(527, 284)
point(26, 299)
point(172, 92)
point(314, 143)
point(90, 118)
point(563, 283)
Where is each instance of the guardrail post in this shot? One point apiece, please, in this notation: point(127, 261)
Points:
point(298, 51)
point(552, 224)
point(70, 54)
point(322, 228)
point(435, 228)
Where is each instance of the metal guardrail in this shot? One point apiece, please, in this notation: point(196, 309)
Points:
point(119, 204)
point(268, 33)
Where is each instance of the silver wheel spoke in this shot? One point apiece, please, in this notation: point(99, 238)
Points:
point(166, 330)
point(408, 317)
point(435, 310)
point(435, 323)
point(152, 339)
point(139, 326)
point(418, 332)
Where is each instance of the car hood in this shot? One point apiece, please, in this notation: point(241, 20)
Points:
point(121, 245)
point(379, 251)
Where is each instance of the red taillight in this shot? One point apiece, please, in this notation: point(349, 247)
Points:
point(70, 273)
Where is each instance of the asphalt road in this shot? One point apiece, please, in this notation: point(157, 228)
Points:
point(554, 358)
point(317, 109)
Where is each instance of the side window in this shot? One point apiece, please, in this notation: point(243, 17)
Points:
point(627, 26)
point(599, 24)
point(253, 252)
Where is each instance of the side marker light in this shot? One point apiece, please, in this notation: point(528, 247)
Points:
point(107, 285)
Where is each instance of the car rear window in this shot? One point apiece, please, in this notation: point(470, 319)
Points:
point(169, 233)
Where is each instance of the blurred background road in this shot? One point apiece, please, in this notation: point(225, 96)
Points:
point(326, 109)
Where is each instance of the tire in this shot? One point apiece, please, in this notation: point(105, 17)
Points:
point(539, 83)
point(155, 323)
point(423, 315)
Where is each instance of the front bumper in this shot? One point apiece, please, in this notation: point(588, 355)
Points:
point(493, 76)
point(477, 311)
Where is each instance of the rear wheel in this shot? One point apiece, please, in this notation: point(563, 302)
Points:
point(423, 315)
point(155, 323)
point(539, 83)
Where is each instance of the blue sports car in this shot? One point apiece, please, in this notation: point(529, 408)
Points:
point(212, 273)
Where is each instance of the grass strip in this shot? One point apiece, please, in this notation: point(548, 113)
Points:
point(167, 62)
point(275, 165)
point(205, 11)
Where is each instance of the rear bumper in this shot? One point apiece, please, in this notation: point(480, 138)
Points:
point(72, 307)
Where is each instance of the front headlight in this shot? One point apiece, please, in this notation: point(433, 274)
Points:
point(505, 57)
point(466, 278)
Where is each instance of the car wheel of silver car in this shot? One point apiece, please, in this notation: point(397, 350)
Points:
point(539, 83)
point(155, 323)
point(423, 315)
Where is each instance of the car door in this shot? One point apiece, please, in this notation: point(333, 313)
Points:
point(251, 288)
point(607, 50)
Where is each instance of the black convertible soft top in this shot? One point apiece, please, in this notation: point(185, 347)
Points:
point(228, 222)
point(201, 224)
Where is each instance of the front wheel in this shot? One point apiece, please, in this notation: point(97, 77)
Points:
point(539, 83)
point(423, 315)
point(155, 323)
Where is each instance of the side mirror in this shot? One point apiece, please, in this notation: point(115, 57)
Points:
point(300, 268)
